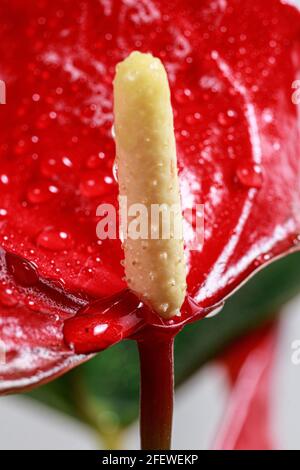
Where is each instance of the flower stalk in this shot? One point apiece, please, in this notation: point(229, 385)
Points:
point(156, 353)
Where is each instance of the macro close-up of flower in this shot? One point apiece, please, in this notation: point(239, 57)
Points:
point(149, 221)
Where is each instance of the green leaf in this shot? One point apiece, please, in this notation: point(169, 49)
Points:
point(105, 391)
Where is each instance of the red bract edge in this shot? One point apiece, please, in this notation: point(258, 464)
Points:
point(231, 67)
point(247, 423)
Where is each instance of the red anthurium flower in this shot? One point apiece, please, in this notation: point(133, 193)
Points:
point(231, 66)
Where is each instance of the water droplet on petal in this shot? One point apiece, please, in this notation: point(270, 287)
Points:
point(53, 166)
point(99, 329)
point(7, 297)
point(3, 213)
point(24, 272)
point(227, 118)
point(250, 176)
point(183, 95)
point(41, 192)
point(108, 179)
point(49, 167)
point(267, 115)
point(4, 179)
point(67, 162)
point(93, 185)
point(52, 115)
point(95, 161)
point(54, 240)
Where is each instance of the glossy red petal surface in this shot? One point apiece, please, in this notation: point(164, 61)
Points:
point(231, 66)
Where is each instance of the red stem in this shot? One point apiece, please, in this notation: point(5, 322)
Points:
point(157, 390)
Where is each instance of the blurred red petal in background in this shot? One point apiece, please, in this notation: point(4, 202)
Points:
point(247, 422)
